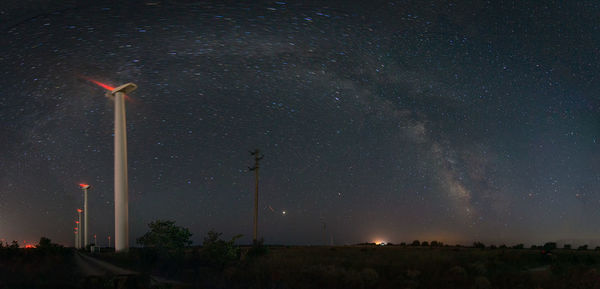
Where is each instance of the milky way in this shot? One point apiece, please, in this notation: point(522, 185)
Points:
point(391, 120)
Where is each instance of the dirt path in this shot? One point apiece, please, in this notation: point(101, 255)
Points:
point(93, 268)
point(539, 269)
point(86, 268)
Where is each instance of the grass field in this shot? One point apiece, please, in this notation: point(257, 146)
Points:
point(317, 267)
point(377, 267)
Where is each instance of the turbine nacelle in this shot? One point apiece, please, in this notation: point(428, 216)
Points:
point(125, 88)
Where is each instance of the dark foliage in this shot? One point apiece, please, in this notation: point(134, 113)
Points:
point(478, 245)
point(164, 235)
point(46, 266)
point(549, 246)
point(219, 252)
point(258, 248)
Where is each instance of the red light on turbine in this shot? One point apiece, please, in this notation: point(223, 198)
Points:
point(79, 210)
point(105, 86)
point(84, 186)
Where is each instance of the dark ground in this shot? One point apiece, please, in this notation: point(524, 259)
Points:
point(316, 267)
point(379, 267)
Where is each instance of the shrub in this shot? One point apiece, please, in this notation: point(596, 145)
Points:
point(482, 283)
point(478, 245)
point(416, 243)
point(549, 246)
point(164, 235)
point(258, 248)
point(369, 277)
point(456, 277)
point(219, 252)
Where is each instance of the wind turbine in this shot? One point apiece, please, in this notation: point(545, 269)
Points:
point(76, 238)
point(85, 187)
point(121, 193)
point(78, 222)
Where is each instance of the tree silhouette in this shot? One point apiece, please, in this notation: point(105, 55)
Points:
point(549, 246)
point(165, 235)
point(478, 245)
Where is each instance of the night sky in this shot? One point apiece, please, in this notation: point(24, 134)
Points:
point(379, 120)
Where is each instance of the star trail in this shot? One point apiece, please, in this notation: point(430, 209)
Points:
point(386, 120)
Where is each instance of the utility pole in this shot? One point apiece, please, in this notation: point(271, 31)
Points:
point(257, 158)
point(324, 231)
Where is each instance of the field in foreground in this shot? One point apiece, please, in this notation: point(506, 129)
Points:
point(375, 267)
point(313, 267)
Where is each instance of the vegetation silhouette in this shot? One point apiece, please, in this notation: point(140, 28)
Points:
point(221, 263)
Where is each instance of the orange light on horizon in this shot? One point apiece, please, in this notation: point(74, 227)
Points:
point(380, 242)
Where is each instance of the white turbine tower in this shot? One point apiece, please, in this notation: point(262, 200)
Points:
point(76, 238)
point(78, 222)
point(121, 194)
point(85, 188)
